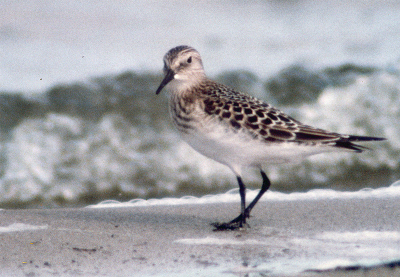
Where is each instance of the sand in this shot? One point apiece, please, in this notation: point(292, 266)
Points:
point(350, 237)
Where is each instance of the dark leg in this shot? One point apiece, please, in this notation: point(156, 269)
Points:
point(242, 192)
point(265, 186)
point(239, 221)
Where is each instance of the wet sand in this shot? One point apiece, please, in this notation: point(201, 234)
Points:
point(291, 238)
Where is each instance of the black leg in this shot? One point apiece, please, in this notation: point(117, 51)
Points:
point(242, 192)
point(265, 186)
point(239, 221)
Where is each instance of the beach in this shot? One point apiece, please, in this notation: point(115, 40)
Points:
point(96, 181)
point(328, 237)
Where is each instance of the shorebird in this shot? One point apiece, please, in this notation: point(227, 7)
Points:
point(238, 130)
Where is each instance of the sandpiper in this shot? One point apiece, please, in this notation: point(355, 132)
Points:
point(236, 129)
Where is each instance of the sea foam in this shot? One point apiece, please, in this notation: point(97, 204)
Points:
point(391, 191)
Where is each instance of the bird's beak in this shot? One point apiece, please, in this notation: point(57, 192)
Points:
point(168, 77)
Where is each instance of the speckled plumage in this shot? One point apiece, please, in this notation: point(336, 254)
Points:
point(237, 129)
point(264, 122)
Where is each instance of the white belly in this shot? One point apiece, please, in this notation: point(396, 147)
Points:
point(238, 150)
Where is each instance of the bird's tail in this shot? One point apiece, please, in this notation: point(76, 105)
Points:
point(347, 142)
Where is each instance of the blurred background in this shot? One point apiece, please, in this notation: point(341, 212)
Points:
point(80, 121)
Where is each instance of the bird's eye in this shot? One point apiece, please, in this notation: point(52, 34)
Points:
point(189, 60)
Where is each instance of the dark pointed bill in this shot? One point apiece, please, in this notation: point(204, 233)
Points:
point(168, 77)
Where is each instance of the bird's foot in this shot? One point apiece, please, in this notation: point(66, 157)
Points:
point(229, 226)
point(236, 224)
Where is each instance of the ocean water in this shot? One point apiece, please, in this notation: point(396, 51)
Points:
point(80, 122)
point(392, 191)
